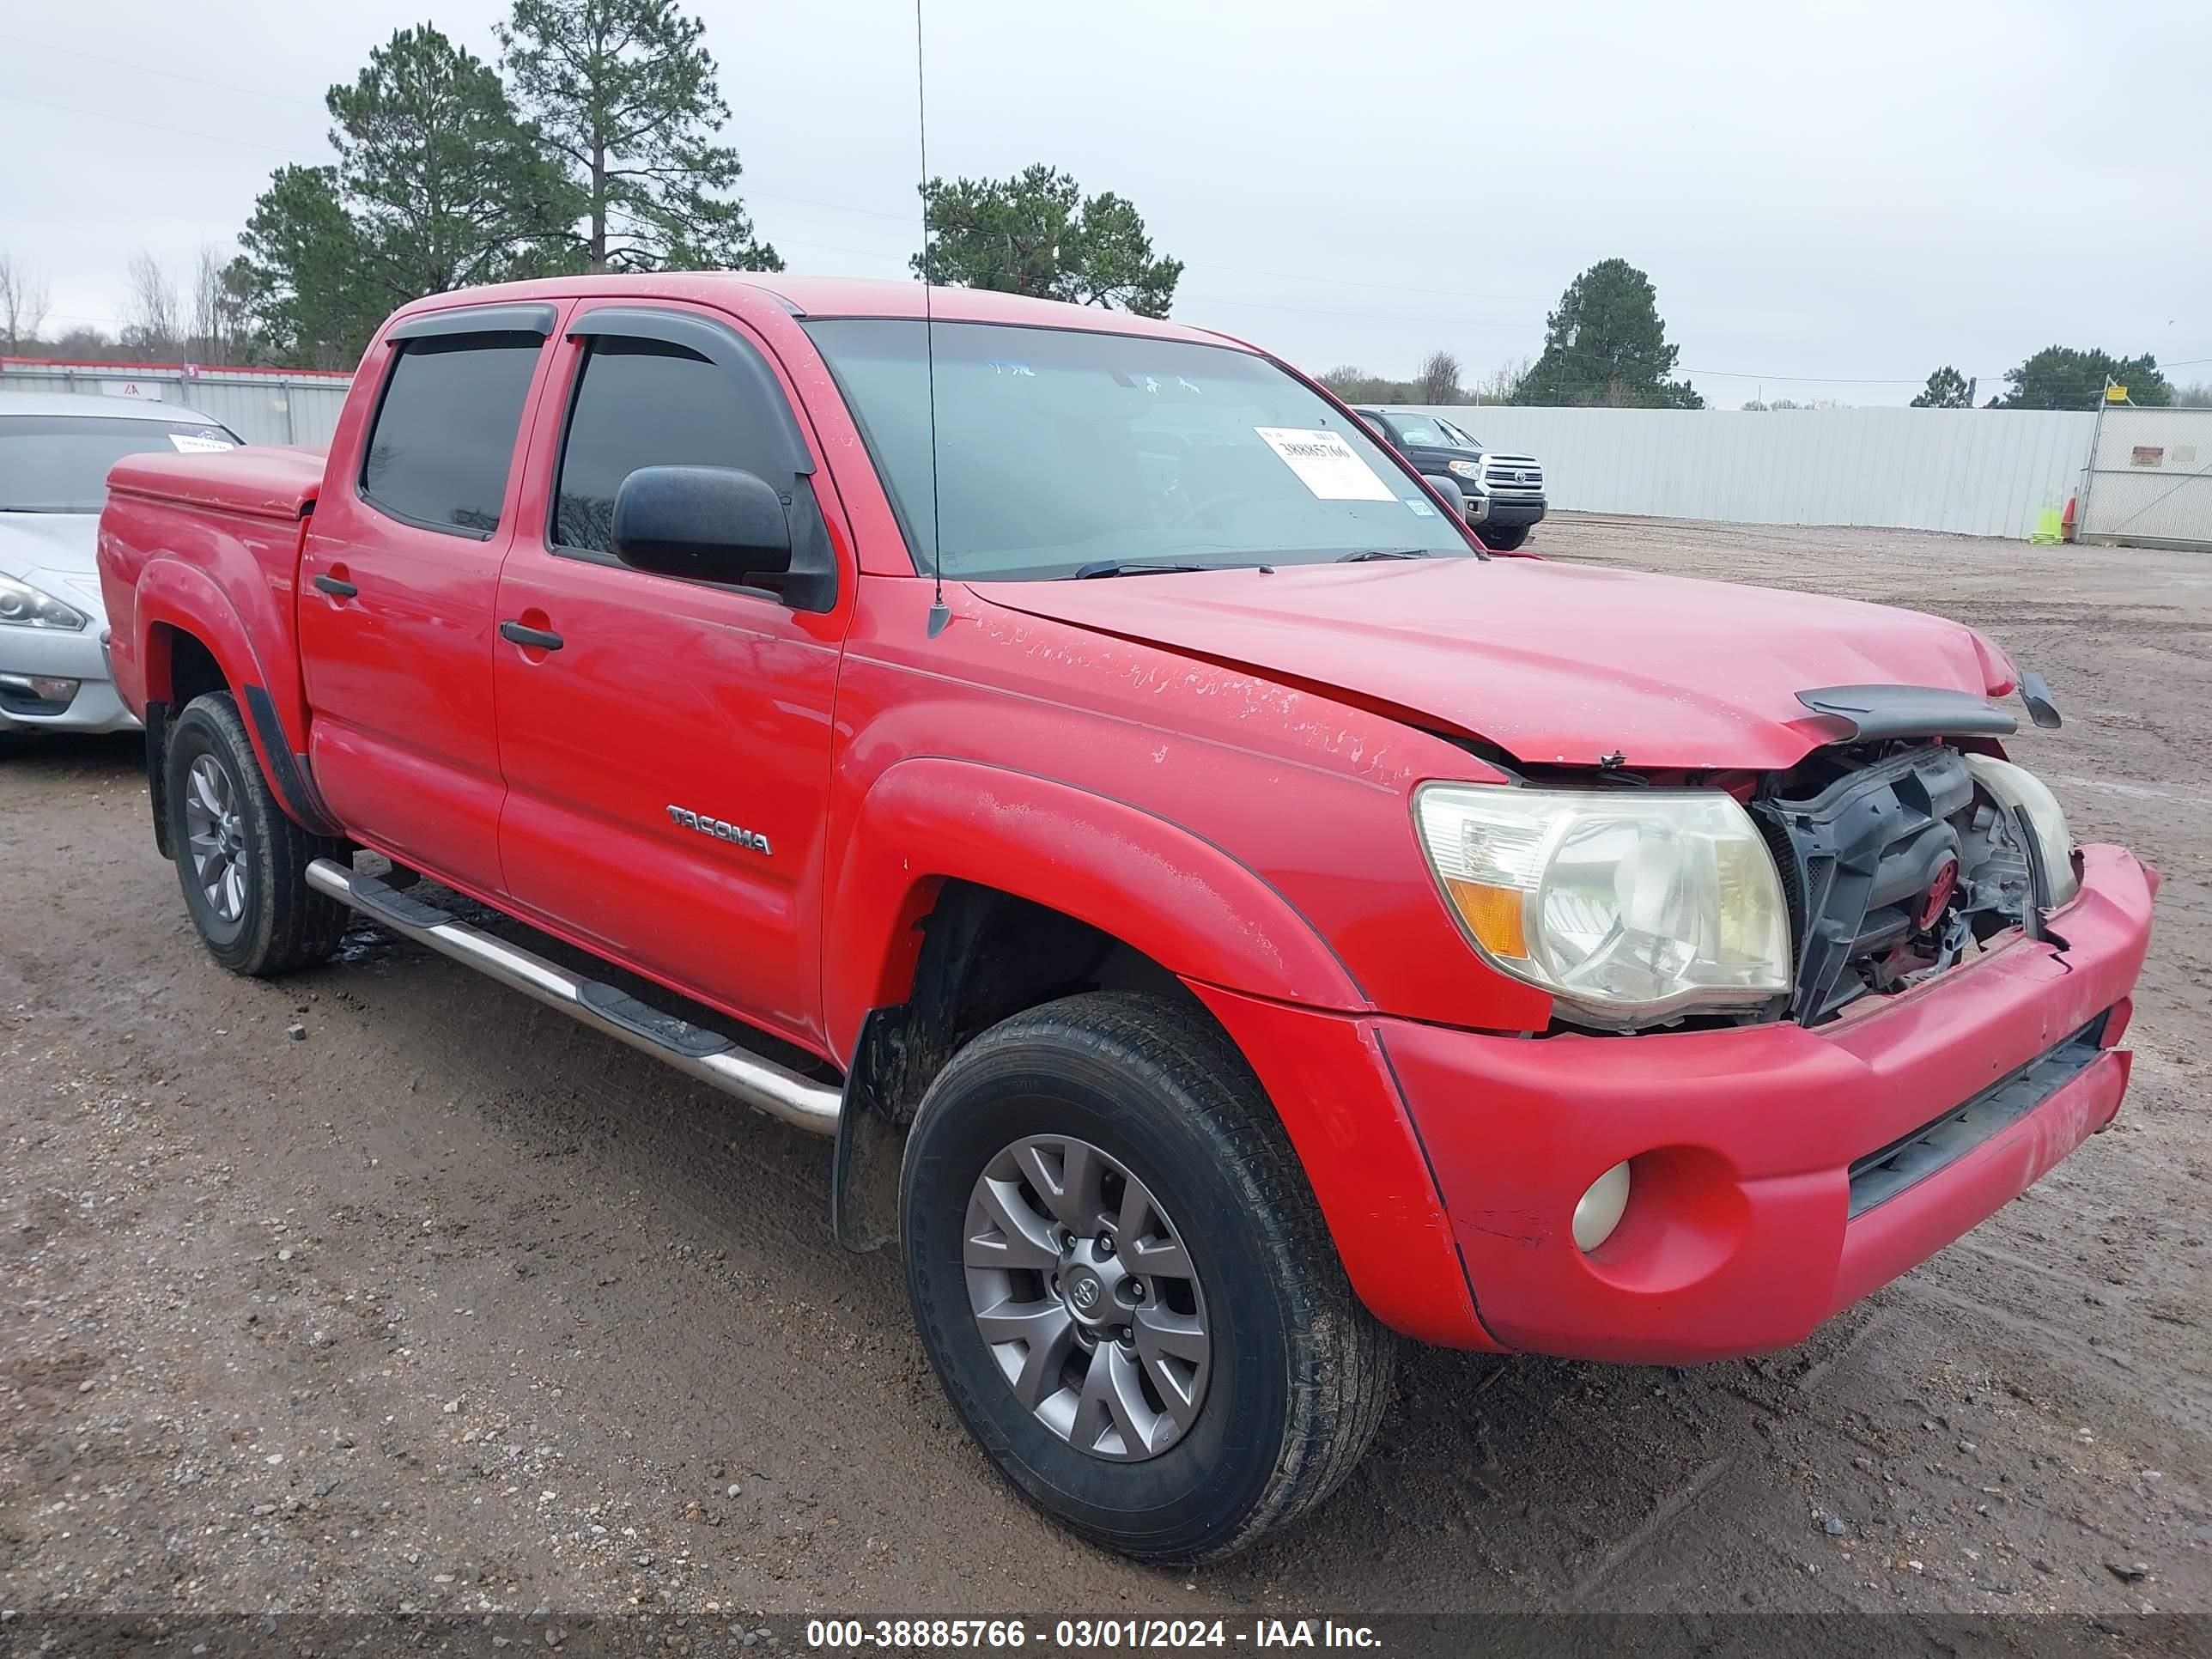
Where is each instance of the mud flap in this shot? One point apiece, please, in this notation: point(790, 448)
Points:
point(864, 1165)
point(901, 1050)
point(157, 773)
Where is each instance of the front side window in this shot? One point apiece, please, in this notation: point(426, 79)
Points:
point(1057, 449)
point(58, 463)
point(647, 403)
point(445, 433)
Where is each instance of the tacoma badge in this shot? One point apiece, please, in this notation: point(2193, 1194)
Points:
point(722, 829)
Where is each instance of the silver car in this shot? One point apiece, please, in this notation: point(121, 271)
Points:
point(55, 451)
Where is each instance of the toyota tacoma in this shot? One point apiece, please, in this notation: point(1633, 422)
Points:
point(1223, 921)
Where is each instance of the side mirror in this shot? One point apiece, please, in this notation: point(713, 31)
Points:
point(1455, 497)
point(708, 524)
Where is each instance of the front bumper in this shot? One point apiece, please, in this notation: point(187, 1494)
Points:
point(52, 653)
point(1740, 1234)
point(1507, 512)
point(1435, 1151)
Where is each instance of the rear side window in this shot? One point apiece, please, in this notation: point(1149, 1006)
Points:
point(445, 433)
point(649, 402)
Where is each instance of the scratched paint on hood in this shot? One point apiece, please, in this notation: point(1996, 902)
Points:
point(1551, 662)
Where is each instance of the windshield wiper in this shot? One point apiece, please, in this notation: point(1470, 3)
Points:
point(1084, 572)
point(1360, 555)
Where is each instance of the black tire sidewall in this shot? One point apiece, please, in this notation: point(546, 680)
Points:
point(1197, 1492)
point(199, 731)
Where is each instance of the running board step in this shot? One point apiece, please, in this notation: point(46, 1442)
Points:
point(708, 1055)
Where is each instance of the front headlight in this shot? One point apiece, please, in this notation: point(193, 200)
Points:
point(25, 606)
point(1631, 906)
point(1465, 469)
point(2019, 789)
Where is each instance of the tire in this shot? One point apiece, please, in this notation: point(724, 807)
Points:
point(1297, 1372)
point(1503, 539)
point(217, 794)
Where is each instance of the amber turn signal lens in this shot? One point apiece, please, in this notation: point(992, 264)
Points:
point(1493, 914)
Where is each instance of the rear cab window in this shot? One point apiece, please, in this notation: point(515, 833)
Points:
point(444, 434)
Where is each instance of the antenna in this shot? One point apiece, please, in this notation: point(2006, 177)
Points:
point(940, 615)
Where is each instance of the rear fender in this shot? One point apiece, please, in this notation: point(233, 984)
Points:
point(173, 594)
point(1187, 903)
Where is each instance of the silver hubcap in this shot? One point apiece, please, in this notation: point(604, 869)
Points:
point(1084, 1294)
point(214, 833)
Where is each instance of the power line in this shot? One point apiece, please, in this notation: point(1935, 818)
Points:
point(173, 75)
point(1365, 316)
point(156, 126)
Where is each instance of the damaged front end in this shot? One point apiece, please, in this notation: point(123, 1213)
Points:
point(1898, 860)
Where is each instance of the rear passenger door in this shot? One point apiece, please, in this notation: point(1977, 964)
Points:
point(667, 742)
point(398, 576)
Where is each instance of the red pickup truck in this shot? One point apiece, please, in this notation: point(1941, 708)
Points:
point(1224, 918)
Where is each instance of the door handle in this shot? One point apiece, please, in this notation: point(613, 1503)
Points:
point(542, 639)
point(337, 586)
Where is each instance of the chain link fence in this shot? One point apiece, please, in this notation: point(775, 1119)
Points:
point(2149, 479)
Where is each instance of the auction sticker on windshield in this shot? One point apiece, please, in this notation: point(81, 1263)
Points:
point(1326, 464)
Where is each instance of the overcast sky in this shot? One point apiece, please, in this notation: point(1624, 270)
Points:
point(1831, 200)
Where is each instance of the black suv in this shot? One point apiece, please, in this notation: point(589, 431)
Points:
point(1504, 492)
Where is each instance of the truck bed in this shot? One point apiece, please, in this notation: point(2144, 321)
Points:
point(260, 482)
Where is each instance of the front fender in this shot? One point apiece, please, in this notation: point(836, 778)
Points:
point(1184, 901)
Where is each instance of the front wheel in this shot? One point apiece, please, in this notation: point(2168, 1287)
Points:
point(1500, 538)
point(1125, 1285)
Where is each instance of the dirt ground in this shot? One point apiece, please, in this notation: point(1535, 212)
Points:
point(449, 1304)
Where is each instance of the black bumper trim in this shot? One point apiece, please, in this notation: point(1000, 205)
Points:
point(1881, 1176)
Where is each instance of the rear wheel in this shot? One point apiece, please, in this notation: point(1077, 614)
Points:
point(242, 863)
point(1501, 539)
point(1124, 1283)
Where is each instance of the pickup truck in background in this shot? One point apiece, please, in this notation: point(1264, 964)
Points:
point(1503, 494)
point(1223, 920)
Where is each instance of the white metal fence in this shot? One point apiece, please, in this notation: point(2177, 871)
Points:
point(1972, 472)
point(262, 406)
point(2150, 478)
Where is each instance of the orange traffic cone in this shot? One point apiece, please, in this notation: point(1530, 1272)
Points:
point(2066, 521)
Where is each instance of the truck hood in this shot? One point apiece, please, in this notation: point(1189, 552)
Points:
point(54, 552)
point(1553, 663)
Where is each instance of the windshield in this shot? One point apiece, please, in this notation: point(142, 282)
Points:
point(58, 463)
point(1432, 432)
point(1058, 450)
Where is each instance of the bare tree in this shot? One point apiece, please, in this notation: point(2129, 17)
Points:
point(218, 333)
point(151, 322)
point(22, 304)
point(1437, 378)
point(1501, 382)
